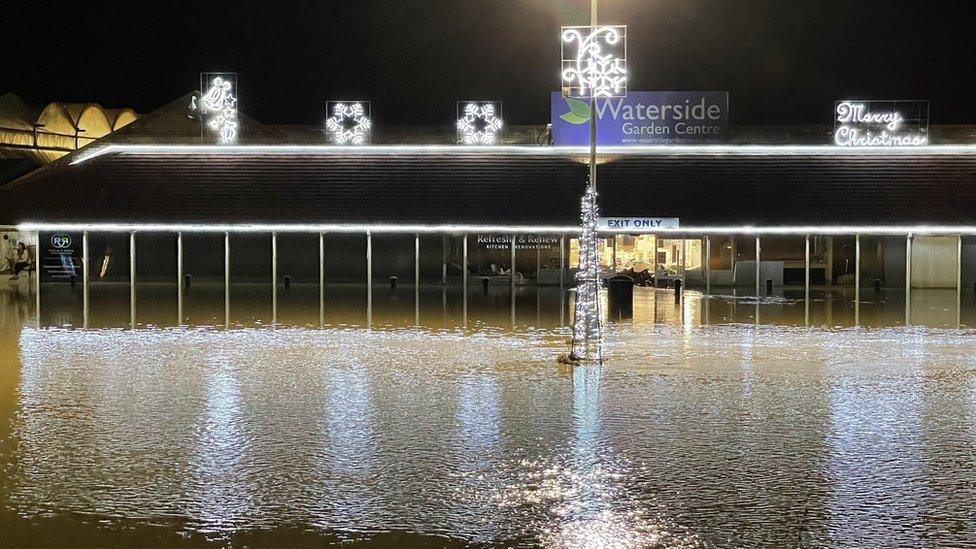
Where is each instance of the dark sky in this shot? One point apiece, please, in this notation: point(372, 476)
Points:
point(783, 61)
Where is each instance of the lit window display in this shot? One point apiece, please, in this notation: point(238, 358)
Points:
point(670, 258)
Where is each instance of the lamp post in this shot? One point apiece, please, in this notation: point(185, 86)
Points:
point(593, 66)
point(593, 23)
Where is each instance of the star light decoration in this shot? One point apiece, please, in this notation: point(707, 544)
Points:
point(348, 122)
point(586, 345)
point(594, 61)
point(219, 104)
point(479, 122)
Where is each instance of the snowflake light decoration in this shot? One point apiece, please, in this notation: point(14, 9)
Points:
point(219, 104)
point(479, 122)
point(594, 61)
point(348, 122)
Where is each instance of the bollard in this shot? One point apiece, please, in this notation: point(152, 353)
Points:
point(877, 285)
point(484, 284)
point(393, 281)
point(677, 290)
point(287, 282)
point(769, 286)
point(186, 281)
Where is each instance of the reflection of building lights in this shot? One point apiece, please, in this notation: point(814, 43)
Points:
point(597, 65)
point(348, 123)
point(219, 104)
point(479, 122)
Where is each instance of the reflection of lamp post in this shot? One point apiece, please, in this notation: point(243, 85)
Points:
point(594, 60)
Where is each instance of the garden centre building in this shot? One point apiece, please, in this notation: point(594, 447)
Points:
point(415, 204)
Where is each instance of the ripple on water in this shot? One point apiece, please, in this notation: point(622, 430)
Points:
point(724, 435)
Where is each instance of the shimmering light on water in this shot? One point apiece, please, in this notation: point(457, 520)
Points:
point(687, 435)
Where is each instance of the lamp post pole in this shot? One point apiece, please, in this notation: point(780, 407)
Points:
point(593, 23)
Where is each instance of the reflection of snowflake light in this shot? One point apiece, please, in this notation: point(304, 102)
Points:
point(349, 123)
point(586, 323)
point(591, 71)
point(220, 104)
point(478, 124)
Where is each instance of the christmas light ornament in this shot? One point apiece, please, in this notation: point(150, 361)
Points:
point(586, 322)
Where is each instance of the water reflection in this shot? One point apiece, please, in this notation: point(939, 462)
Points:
point(446, 306)
point(218, 494)
point(873, 449)
point(687, 434)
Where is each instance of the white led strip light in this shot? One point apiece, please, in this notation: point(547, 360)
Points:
point(798, 230)
point(669, 150)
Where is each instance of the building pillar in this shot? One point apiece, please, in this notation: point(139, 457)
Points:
point(85, 260)
point(538, 261)
point(444, 260)
point(464, 281)
point(829, 268)
point(132, 280)
point(758, 270)
point(959, 281)
point(708, 266)
point(37, 279)
point(416, 279)
point(806, 281)
point(562, 278)
point(321, 280)
point(857, 280)
point(654, 259)
point(512, 270)
point(226, 279)
point(908, 280)
point(613, 254)
point(369, 279)
point(179, 278)
point(732, 261)
point(562, 261)
point(512, 282)
point(274, 278)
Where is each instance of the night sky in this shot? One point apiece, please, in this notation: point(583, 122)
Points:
point(783, 61)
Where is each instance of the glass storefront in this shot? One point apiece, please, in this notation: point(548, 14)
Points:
point(669, 258)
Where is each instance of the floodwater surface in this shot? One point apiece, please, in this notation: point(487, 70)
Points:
point(465, 429)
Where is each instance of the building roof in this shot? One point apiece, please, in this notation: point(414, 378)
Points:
point(703, 186)
point(55, 130)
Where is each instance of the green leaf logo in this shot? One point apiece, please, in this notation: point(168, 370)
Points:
point(579, 111)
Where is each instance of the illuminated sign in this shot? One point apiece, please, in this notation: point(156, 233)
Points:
point(639, 223)
point(60, 259)
point(348, 122)
point(218, 104)
point(594, 61)
point(643, 118)
point(478, 122)
point(522, 241)
point(61, 240)
point(881, 123)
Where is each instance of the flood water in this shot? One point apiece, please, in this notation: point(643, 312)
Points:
point(718, 421)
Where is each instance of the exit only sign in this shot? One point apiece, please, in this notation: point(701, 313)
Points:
point(637, 223)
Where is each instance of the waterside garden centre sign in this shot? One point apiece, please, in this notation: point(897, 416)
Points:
point(881, 123)
point(643, 118)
